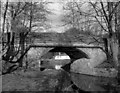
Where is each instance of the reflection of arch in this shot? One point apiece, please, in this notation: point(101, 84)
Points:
point(72, 52)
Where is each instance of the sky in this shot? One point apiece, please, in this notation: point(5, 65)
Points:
point(55, 18)
point(56, 8)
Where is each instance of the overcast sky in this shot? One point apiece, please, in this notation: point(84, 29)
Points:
point(57, 8)
point(55, 19)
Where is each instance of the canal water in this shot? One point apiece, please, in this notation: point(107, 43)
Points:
point(60, 81)
point(63, 80)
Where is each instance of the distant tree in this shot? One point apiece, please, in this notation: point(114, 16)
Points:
point(100, 19)
point(24, 17)
point(76, 17)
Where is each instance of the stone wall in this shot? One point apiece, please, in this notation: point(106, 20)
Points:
point(88, 66)
point(97, 56)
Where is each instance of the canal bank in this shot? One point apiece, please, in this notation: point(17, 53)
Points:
point(57, 80)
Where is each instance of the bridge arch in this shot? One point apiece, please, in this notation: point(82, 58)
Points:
point(72, 52)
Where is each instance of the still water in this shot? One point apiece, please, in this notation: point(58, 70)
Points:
point(62, 81)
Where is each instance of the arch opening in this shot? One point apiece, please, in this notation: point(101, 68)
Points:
point(72, 52)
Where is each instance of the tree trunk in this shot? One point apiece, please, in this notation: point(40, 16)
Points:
point(12, 45)
point(105, 40)
point(22, 41)
point(3, 25)
point(8, 38)
point(113, 42)
point(114, 51)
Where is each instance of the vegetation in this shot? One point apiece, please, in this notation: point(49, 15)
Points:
point(24, 17)
point(100, 23)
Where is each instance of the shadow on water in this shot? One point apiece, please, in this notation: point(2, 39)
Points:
point(61, 81)
point(88, 83)
point(91, 83)
point(77, 83)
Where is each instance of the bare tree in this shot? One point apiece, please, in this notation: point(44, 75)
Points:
point(101, 18)
point(111, 41)
point(3, 25)
point(24, 16)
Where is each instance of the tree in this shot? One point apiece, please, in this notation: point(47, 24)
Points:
point(100, 17)
point(24, 17)
point(3, 25)
point(109, 16)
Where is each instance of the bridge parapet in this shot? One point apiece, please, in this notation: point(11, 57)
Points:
point(77, 45)
point(63, 44)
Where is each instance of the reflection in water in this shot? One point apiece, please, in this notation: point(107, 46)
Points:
point(77, 83)
point(64, 80)
point(90, 83)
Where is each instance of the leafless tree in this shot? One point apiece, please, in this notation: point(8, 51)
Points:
point(100, 17)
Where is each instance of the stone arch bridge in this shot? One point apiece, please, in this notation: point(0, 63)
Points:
point(76, 51)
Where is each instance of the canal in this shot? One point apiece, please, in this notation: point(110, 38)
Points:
point(62, 81)
point(57, 79)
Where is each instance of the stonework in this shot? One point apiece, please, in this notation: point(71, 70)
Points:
point(97, 56)
point(89, 66)
point(84, 66)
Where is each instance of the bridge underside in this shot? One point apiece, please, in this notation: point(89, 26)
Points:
point(72, 52)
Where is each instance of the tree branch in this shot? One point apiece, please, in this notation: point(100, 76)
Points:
point(21, 9)
point(104, 12)
point(114, 9)
point(100, 24)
